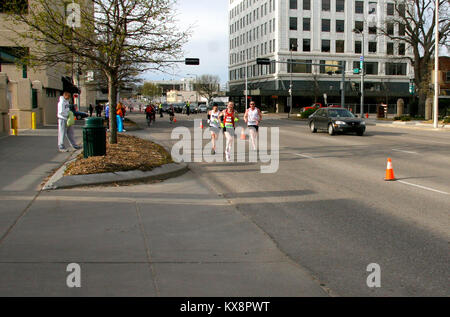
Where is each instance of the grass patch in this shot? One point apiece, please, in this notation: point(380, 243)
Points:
point(130, 153)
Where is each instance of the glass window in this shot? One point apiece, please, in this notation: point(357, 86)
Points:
point(359, 25)
point(371, 68)
point(401, 49)
point(293, 45)
point(372, 47)
point(306, 24)
point(340, 5)
point(390, 48)
point(326, 25)
point(300, 68)
point(358, 47)
point(293, 4)
point(396, 69)
point(306, 45)
point(359, 6)
point(372, 8)
point(292, 23)
point(325, 45)
point(340, 46)
point(373, 29)
point(330, 69)
point(401, 9)
point(340, 26)
point(390, 28)
point(306, 4)
point(326, 5)
point(401, 29)
point(390, 9)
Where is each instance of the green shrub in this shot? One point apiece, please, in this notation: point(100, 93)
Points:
point(447, 120)
point(405, 118)
point(397, 118)
point(307, 113)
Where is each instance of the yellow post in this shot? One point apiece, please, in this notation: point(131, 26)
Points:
point(14, 125)
point(33, 120)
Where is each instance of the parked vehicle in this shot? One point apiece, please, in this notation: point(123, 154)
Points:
point(203, 109)
point(79, 115)
point(336, 120)
point(318, 106)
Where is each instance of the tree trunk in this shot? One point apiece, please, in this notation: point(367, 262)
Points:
point(112, 98)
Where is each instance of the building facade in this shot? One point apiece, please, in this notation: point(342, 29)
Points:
point(316, 32)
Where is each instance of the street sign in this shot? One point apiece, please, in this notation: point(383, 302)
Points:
point(361, 58)
point(356, 71)
point(263, 61)
point(192, 61)
point(361, 65)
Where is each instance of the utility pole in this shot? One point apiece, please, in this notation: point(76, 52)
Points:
point(436, 70)
point(291, 85)
point(246, 81)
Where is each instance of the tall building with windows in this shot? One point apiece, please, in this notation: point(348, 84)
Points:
point(316, 32)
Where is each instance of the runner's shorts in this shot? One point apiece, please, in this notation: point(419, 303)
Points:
point(253, 127)
point(214, 130)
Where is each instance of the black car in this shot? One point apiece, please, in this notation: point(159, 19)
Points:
point(79, 115)
point(336, 120)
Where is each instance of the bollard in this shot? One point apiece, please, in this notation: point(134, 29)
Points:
point(14, 125)
point(33, 120)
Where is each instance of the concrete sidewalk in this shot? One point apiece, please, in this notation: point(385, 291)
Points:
point(174, 238)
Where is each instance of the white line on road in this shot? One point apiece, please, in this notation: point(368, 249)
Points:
point(409, 152)
point(426, 188)
point(304, 155)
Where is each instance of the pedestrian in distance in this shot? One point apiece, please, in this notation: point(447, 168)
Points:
point(65, 130)
point(98, 110)
point(107, 115)
point(91, 110)
point(214, 125)
point(229, 117)
point(120, 113)
point(161, 111)
point(253, 117)
point(188, 108)
point(171, 111)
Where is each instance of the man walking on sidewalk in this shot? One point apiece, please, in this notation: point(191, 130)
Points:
point(63, 129)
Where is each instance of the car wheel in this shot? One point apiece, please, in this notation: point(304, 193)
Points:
point(312, 126)
point(330, 129)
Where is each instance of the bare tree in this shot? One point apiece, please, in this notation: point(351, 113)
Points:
point(416, 25)
point(208, 86)
point(121, 38)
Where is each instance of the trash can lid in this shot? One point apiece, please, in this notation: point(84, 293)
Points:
point(94, 122)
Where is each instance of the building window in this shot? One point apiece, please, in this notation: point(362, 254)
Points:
point(359, 25)
point(292, 24)
point(401, 29)
point(340, 5)
point(326, 46)
point(372, 8)
point(293, 45)
point(293, 4)
point(332, 68)
point(401, 49)
point(372, 47)
point(340, 46)
point(358, 47)
point(401, 9)
point(359, 7)
point(300, 68)
point(373, 29)
point(306, 4)
point(326, 25)
point(326, 6)
point(396, 69)
point(390, 28)
point(371, 68)
point(390, 9)
point(306, 24)
point(390, 48)
point(306, 45)
point(340, 26)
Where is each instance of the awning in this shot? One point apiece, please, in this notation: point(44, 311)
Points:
point(69, 86)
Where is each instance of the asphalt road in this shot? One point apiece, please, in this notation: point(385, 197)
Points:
point(329, 209)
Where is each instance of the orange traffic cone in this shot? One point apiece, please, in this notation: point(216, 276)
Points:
point(201, 124)
point(389, 171)
point(243, 136)
point(175, 120)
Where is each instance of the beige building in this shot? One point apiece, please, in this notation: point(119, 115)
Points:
point(30, 90)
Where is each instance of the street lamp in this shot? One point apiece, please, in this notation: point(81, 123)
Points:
point(362, 69)
point(196, 82)
point(293, 46)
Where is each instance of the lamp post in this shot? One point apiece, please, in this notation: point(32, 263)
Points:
point(436, 70)
point(196, 82)
point(293, 46)
point(362, 69)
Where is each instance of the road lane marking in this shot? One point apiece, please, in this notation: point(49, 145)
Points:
point(426, 188)
point(409, 152)
point(304, 155)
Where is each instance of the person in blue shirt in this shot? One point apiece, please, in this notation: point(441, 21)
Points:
point(107, 115)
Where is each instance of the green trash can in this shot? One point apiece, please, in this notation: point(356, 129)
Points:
point(94, 138)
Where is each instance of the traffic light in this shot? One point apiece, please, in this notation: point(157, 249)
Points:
point(263, 61)
point(192, 61)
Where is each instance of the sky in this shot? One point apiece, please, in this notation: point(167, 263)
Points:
point(209, 40)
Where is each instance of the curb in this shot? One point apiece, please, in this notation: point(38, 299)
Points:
point(59, 181)
point(414, 126)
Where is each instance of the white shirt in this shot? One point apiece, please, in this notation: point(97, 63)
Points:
point(63, 108)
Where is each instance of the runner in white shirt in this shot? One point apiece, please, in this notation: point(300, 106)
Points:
point(214, 125)
point(253, 117)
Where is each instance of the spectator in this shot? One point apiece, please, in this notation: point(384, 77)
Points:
point(98, 110)
point(107, 115)
point(91, 110)
point(63, 129)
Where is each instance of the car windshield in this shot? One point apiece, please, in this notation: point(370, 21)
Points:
point(340, 113)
